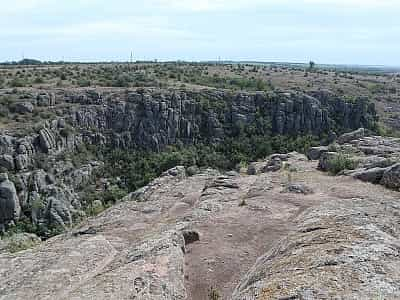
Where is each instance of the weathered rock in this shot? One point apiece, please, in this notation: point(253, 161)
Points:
point(178, 171)
point(7, 162)
point(370, 162)
point(24, 107)
point(79, 177)
point(47, 140)
point(342, 250)
point(9, 203)
point(315, 153)
point(222, 182)
point(192, 170)
point(255, 168)
point(144, 249)
point(354, 135)
point(273, 165)
point(373, 175)
point(46, 99)
point(391, 177)
point(298, 188)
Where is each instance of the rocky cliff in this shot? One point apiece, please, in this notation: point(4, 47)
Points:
point(44, 186)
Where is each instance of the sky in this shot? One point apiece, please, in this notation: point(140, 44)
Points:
point(326, 31)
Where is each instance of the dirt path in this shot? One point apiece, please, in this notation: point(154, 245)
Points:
point(232, 239)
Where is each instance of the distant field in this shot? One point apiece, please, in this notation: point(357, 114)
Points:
point(379, 83)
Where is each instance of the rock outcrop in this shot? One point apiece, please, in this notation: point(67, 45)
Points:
point(375, 158)
point(151, 120)
point(9, 203)
point(341, 249)
point(181, 236)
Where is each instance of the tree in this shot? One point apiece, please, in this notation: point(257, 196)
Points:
point(311, 65)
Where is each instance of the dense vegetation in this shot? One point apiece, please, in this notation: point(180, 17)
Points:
point(136, 168)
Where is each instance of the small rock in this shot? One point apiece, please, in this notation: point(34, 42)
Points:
point(298, 188)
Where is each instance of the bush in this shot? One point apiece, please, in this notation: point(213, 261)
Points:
point(113, 194)
point(341, 162)
point(66, 131)
point(38, 80)
point(18, 82)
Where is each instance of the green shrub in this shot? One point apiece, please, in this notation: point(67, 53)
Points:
point(38, 80)
point(16, 245)
point(66, 131)
point(18, 82)
point(341, 162)
point(113, 194)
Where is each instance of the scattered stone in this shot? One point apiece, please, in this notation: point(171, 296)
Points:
point(298, 188)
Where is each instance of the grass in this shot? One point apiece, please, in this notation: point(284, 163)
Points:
point(213, 294)
point(17, 246)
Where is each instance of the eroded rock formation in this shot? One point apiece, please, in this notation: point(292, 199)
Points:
point(150, 120)
point(182, 235)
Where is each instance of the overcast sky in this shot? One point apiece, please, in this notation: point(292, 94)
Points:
point(326, 31)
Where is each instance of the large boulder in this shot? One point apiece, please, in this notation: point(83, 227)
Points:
point(46, 99)
point(274, 164)
point(53, 207)
point(350, 136)
point(47, 140)
point(24, 107)
point(255, 168)
point(373, 175)
point(7, 162)
point(315, 153)
point(9, 203)
point(391, 177)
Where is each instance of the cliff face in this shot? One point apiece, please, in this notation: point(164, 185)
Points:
point(147, 120)
point(153, 121)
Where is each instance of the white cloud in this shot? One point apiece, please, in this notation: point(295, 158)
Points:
point(209, 5)
point(144, 28)
point(356, 3)
point(21, 6)
point(228, 5)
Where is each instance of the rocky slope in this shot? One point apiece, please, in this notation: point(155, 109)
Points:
point(45, 187)
point(182, 237)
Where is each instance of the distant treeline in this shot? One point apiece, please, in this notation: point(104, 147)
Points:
point(299, 66)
